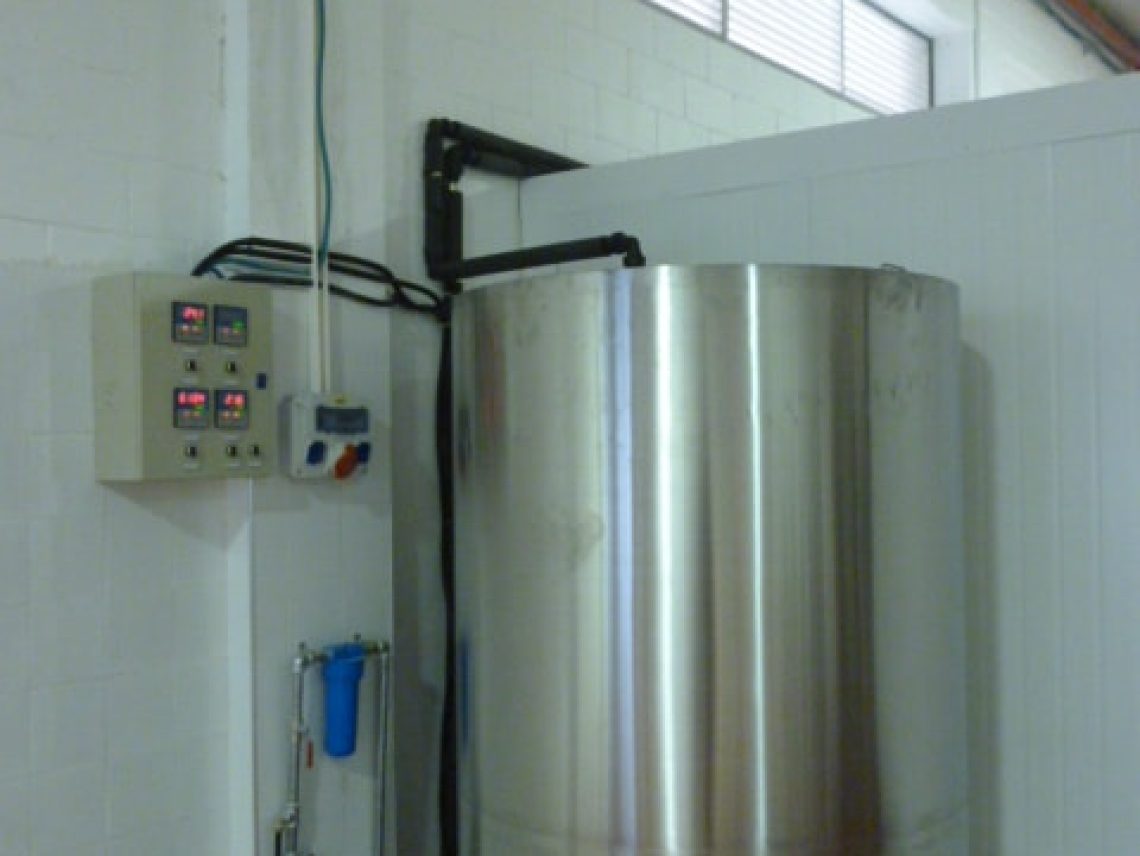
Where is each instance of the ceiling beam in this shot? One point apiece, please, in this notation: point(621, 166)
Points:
point(1085, 16)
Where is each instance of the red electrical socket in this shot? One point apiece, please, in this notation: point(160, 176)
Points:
point(346, 464)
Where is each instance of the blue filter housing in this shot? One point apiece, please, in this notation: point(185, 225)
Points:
point(343, 666)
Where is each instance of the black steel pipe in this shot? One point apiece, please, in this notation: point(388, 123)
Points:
point(496, 164)
point(435, 198)
point(454, 161)
point(531, 159)
point(449, 148)
point(443, 203)
point(548, 254)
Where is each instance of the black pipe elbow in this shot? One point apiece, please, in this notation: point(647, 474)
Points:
point(629, 248)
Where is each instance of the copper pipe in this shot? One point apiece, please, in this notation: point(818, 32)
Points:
point(1119, 43)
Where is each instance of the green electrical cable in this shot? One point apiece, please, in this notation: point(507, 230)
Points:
point(322, 142)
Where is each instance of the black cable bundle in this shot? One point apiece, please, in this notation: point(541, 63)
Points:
point(284, 263)
point(449, 747)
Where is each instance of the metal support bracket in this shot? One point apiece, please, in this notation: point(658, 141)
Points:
point(450, 148)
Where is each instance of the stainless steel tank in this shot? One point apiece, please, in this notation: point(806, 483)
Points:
point(710, 564)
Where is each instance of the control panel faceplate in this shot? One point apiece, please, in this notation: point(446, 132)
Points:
point(182, 379)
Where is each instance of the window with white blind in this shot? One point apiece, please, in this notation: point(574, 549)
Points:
point(703, 13)
point(848, 46)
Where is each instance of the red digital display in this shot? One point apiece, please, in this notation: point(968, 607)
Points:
point(233, 400)
point(193, 314)
point(193, 398)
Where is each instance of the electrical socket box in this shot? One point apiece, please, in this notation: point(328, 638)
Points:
point(182, 378)
point(326, 436)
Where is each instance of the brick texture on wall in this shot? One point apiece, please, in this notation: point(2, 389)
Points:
point(113, 720)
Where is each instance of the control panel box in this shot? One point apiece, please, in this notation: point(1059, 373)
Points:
point(182, 378)
point(327, 436)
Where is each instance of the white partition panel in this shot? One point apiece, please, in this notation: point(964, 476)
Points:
point(1032, 204)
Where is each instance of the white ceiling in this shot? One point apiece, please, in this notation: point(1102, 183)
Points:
point(1125, 13)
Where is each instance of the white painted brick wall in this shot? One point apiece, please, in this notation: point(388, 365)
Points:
point(623, 121)
point(1022, 48)
point(631, 23)
point(752, 118)
point(656, 84)
point(597, 58)
point(709, 106)
point(557, 96)
point(681, 46)
point(112, 606)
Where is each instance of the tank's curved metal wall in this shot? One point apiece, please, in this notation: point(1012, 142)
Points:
point(710, 564)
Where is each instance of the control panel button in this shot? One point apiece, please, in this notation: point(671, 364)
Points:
point(190, 364)
point(363, 452)
point(230, 367)
point(190, 451)
point(255, 450)
point(231, 451)
point(316, 453)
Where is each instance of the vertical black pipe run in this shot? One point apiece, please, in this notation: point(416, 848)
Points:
point(435, 194)
point(448, 768)
point(449, 148)
point(443, 241)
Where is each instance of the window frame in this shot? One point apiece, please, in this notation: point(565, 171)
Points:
point(721, 35)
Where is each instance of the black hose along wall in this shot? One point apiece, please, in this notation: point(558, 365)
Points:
point(449, 148)
point(449, 749)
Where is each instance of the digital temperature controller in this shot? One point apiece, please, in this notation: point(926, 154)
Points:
point(190, 323)
point(231, 409)
point(231, 326)
point(191, 408)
